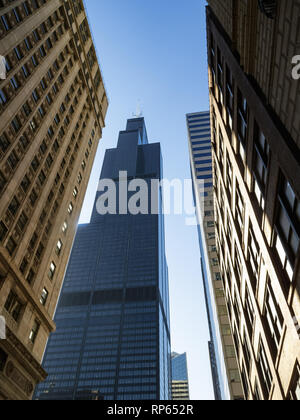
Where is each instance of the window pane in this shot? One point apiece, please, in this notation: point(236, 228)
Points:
point(280, 250)
point(289, 194)
point(284, 224)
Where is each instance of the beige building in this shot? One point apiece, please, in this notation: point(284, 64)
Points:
point(52, 110)
point(255, 115)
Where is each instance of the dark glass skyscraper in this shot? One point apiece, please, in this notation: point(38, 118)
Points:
point(113, 335)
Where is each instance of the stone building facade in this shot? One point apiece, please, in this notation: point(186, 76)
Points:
point(52, 109)
point(255, 116)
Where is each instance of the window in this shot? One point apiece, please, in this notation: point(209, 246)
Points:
point(2, 181)
point(34, 332)
point(44, 297)
point(14, 206)
point(3, 231)
point(260, 166)
point(16, 125)
point(75, 192)
point(25, 71)
point(28, 43)
point(52, 270)
point(13, 160)
point(26, 8)
point(36, 35)
point(22, 222)
point(287, 230)
point(249, 312)
point(33, 197)
point(41, 111)
point(229, 96)
point(242, 125)
point(25, 184)
point(256, 392)
point(254, 252)
point(14, 83)
point(273, 315)
point(229, 176)
point(26, 109)
point(3, 98)
point(57, 119)
point(4, 142)
point(35, 96)
point(5, 22)
point(238, 266)
point(240, 208)
point(221, 151)
point(220, 74)
point(42, 51)
point(65, 227)
point(11, 246)
point(265, 370)
point(50, 132)
point(35, 164)
point(33, 125)
point(42, 177)
point(18, 53)
point(24, 142)
point(49, 160)
point(43, 147)
point(59, 246)
point(13, 306)
point(70, 208)
point(34, 60)
point(30, 276)
point(40, 251)
point(245, 383)
point(295, 389)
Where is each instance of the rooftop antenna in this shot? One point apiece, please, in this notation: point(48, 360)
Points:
point(138, 113)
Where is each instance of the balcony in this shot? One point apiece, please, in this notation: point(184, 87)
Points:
point(268, 7)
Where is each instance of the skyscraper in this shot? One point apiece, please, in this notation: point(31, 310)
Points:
point(255, 116)
point(52, 109)
point(180, 377)
point(225, 372)
point(113, 338)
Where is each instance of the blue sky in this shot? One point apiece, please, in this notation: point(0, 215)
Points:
point(154, 52)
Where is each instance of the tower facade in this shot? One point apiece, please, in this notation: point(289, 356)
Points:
point(113, 338)
point(180, 377)
point(255, 117)
point(52, 109)
point(224, 366)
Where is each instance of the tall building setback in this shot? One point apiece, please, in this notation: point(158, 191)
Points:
point(224, 366)
point(52, 109)
point(113, 328)
point(180, 377)
point(255, 116)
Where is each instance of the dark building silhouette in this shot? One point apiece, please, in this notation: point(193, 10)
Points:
point(113, 339)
